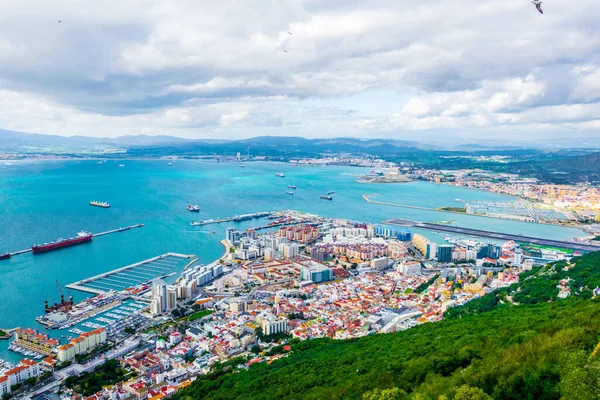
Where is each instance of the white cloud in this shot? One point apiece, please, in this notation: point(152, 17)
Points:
point(200, 68)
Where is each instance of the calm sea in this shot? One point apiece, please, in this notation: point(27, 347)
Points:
point(43, 201)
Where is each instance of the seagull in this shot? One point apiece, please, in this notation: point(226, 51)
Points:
point(538, 5)
point(285, 50)
point(59, 21)
point(289, 32)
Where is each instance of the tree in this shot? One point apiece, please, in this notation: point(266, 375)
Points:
point(176, 312)
point(580, 381)
point(30, 381)
point(255, 349)
point(470, 393)
point(386, 394)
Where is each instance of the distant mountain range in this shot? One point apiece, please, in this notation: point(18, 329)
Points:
point(266, 145)
point(271, 146)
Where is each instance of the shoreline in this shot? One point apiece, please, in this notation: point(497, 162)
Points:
point(225, 243)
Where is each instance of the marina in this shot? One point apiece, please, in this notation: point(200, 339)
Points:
point(134, 274)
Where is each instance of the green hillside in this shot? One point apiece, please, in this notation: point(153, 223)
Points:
point(537, 349)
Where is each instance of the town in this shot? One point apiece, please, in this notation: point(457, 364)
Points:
point(312, 277)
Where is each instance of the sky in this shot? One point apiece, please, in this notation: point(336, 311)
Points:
point(424, 70)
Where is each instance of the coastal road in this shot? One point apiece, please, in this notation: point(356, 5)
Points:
point(494, 235)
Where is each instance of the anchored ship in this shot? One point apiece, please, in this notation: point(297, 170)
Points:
point(192, 208)
point(280, 175)
point(289, 192)
point(5, 256)
point(102, 204)
point(292, 187)
point(81, 237)
point(331, 192)
point(328, 197)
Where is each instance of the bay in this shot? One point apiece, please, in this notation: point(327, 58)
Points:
point(45, 200)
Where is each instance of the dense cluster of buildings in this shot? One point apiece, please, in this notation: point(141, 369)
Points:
point(541, 202)
point(82, 344)
point(323, 278)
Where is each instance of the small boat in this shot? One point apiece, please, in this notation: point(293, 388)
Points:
point(5, 256)
point(121, 165)
point(292, 187)
point(8, 164)
point(459, 200)
point(331, 192)
point(328, 197)
point(213, 232)
point(170, 164)
point(242, 166)
point(280, 175)
point(289, 192)
point(192, 208)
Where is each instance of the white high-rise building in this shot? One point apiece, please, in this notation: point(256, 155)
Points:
point(171, 298)
point(159, 294)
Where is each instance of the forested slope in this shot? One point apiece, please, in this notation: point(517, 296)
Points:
point(536, 348)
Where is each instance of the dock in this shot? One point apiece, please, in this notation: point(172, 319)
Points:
point(140, 273)
point(236, 218)
point(495, 235)
point(122, 229)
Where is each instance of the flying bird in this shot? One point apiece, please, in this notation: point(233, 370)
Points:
point(289, 32)
point(59, 21)
point(538, 5)
point(285, 50)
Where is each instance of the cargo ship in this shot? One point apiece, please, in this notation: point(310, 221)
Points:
point(328, 197)
point(102, 204)
point(289, 192)
point(331, 192)
point(82, 237)
point(192, 208)
point(292, 187)
point(5, 256)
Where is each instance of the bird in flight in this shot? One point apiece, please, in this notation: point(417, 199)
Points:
point(285, 50)
point(538, 5)
point(290, 32)
point(59, 21)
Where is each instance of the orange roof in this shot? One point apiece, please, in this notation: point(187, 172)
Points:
point(28, 362)
point(49, 360)
point(16, 370)
point(3, 379)
point(66, 346)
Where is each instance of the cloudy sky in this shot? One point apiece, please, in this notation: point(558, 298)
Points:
point(417, 70)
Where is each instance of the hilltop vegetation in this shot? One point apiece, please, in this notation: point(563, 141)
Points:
point(538, 349)
point(540, 285)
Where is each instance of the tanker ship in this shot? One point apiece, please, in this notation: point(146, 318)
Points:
point(81, 237)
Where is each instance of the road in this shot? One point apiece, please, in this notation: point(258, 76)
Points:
point(494, 235)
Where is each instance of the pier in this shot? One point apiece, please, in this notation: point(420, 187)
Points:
point(236, 218)
point(494, 235)
point(136, 274)
point(122, 229)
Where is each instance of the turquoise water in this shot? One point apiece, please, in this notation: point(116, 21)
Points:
point(41, 201)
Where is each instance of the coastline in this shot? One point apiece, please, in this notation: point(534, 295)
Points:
point(227, 246)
